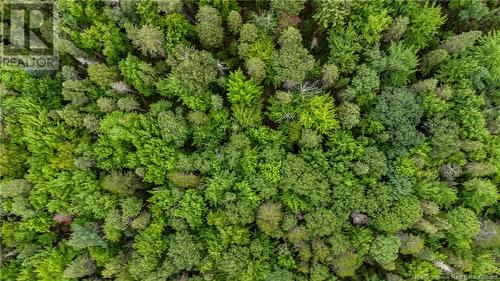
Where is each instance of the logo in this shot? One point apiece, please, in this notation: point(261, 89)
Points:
point(29, 34)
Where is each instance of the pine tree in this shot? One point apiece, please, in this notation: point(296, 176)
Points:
point(459, 43)
point(291, 62)
point(149, 39)
point(80, 267)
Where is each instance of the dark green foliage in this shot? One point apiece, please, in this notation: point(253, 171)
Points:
point(291, 62)
point(400, 113)
point(299, 140)
point(84, 236)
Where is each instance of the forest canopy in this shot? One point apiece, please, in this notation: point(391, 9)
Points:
point(276, 140)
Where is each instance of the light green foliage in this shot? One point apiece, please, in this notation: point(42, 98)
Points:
point(488, 54)
point(81, 266)
point(423, 268)
point(148, 39)
point(425, 20)
point(273, 140)
point(346, 264)
point(184, 251)
point(400, 64)
point(384, 251)
point(330, 12)
point(139, 74)
point(242, 91)
point(463, 225)
point(319, 113)
point(348, 115)
point(256, 68)
point(192, 72)
point(177, 29)
point(249, 33)
point(209, 27)
point(184, 179)
point(269, 217)
point(322, 222)
point(434, 58)
point(106, 38)
point(170, 6)
point(310, 139)
point(127, 104)
point(106, 104)
point(12, 188)
point(120, 183)
point(396, 29)
point(479, 194)
point(234, 22)
point(102, 75)
point(191, 208)
point(376, 23)
point(330, 75)
point(345, 46)
point(411, 244)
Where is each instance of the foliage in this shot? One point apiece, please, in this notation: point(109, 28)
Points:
point(209, 27)
point(139, 74)
point(148, 39)
point(273, 140)
point(384, 250)
point(292, 61)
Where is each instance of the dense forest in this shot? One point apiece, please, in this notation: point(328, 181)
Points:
point(274, 140)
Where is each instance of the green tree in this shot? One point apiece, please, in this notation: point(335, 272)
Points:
point(291, 62)
point(102, 74)
point(120, 183)
point(479, 194)
point(461, 42)
point(243, 91)
point(209, 27)
point(81, 266)
point(185, 251)
point(138, 73)
point(464, 226)
point(85, 235)
point(234, 22)
point(384, 251)
point(400, 113)
point(269, 217)
point(149, 39)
